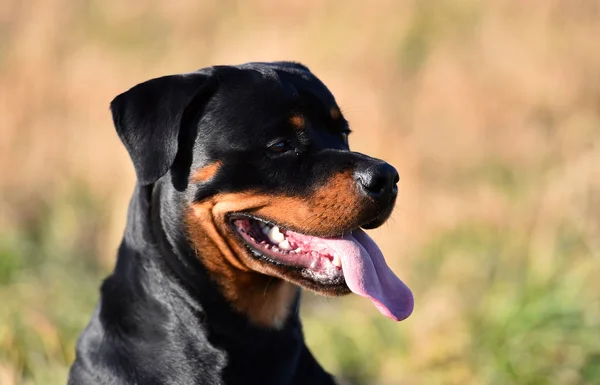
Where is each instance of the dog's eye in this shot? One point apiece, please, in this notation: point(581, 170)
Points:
point(280, 146)
point(345, 136)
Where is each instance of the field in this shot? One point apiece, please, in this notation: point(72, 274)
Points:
point(490, 110)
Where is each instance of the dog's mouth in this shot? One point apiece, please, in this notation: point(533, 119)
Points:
point(351, 261)
point(289, 248)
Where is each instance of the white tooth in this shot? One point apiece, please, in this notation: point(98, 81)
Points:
point(285, 245)
point(336, 261)
point(275, 235)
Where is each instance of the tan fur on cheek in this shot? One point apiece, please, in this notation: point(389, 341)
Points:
point(264, 299)
point(253, 287)
point(330, 210)
point(203, 217)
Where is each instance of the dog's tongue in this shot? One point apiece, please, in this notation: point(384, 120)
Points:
point(367, 274)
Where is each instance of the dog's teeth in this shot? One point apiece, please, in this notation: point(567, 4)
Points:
point(275, 235)
point(265, 229)
point(285, 245)
point(336, 261)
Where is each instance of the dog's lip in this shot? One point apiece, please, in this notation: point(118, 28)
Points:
point(232, 217)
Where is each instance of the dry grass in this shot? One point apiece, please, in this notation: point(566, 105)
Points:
point(490, 111)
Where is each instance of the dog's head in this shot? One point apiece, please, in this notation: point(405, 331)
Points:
point(271, 192)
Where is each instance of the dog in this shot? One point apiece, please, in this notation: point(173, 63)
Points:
point(246, 192)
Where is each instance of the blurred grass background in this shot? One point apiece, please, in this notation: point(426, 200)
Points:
point(490, 110)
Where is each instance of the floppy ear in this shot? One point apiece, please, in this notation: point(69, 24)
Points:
point(149, 117)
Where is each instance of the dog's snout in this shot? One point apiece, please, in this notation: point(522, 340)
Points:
point(378, 181)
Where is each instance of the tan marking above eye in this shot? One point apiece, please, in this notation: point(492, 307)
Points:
point(335, 113)
point(297, 121)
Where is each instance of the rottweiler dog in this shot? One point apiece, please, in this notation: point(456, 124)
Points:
point(246, 192)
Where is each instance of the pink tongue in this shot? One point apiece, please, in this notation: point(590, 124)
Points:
point(367, 274)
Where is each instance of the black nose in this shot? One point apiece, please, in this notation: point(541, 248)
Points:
point(378, 180)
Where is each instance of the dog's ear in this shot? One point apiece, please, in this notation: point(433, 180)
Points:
point(149, 117)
